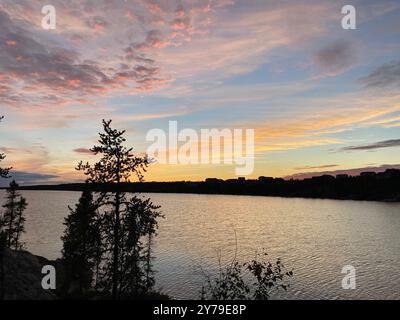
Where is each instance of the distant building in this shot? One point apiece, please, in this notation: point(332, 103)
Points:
point(265, 179)
point(231, 180)
point(389, 174)
point(395, 172)
point(392, 172)
point(325, 177)
point(240, 179)
point(251, 180)
point(342, 176)
point(213, 180)
point(368, 174)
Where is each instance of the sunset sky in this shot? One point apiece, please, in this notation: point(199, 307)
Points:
point(320, 98)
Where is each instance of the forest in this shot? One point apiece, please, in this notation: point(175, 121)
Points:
point(384, 186)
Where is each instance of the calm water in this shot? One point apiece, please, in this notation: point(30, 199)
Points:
point(315, 238)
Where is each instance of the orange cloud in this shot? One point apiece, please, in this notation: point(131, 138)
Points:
point(74, 82)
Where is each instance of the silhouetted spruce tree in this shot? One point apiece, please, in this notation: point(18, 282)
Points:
point(139, 226)
point(116, 166)
point(19, 223)
point(12, 219)
point(81, 245)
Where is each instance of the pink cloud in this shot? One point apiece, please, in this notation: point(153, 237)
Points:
point(84, 151)
point(153, 8)
point(154, 36)
point(180, 11)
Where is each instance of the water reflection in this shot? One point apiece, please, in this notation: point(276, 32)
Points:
point(315, 238)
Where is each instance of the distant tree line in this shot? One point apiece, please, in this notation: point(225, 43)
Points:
point(383, 186)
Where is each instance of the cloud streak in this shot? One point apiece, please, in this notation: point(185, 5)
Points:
point(28, 178)
point(84, 151)
point(384, 76)
point(317, 167)
point(373, 146)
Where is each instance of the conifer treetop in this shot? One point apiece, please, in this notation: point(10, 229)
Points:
point(117, 163)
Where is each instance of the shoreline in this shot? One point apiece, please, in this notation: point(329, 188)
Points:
point(368, 186)
point(56, 188)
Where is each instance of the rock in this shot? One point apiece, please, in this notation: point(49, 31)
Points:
point(23, 277)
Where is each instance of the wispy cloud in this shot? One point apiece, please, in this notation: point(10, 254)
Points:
point(317, 167)
point(373, 146)
point(28, 178)
point(84, 151)
point(385, 76)
point(27, 159)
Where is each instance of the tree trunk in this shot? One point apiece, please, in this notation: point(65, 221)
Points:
point(148, 262)
point(10, 232)
point(116, 246)
point(18, 232)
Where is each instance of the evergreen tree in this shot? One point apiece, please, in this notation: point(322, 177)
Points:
point(80, 245)
point(19, 223)
point(12, 219)
point(120, 242)
point(140, 224)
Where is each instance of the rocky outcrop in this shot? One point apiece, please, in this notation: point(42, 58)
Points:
point(22, 276)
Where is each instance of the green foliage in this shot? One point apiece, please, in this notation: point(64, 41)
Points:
point(267, 276)
point(81, 245)
point(229, 285)
point(12, 220)
point(232, 282)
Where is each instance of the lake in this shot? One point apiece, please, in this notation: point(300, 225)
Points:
point(315, 238)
